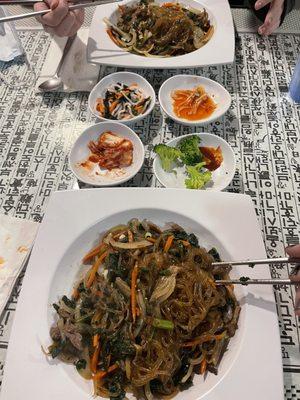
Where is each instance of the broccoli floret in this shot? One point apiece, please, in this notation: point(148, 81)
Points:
point(168, 155)
point(197, 178)
point(190, 152)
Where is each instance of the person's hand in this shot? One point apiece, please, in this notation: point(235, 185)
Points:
point(294, 251)
point(273, 17)
point(60, 21)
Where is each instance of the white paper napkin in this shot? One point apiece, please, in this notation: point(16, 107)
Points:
point(16, 239)
point(76, 73)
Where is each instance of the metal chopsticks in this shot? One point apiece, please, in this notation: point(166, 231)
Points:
point(252, 263)
point(246, 282)
point(43, 12)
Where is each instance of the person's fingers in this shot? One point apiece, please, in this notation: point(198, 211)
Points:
point(273, 18)
point(261, 3)
point(297, 302)
point(79, 17)
point(293, 251)
point(55, 17)
point(296, 278)
point(66, 26)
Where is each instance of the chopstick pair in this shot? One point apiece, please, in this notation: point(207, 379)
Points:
point(10, 18)
point(252, 263)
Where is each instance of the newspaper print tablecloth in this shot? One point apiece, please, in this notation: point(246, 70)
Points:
point(262, 126)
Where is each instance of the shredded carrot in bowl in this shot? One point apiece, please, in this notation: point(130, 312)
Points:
point(192, 104)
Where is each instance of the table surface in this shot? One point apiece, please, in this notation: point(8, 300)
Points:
point(262, 126)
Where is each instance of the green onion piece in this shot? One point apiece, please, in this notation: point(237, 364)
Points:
point(162, 324)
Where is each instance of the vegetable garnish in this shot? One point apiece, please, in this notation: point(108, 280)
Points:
point(150, 318)
point(198, 161)
point(192, 104)
point(190, 152)
point(123, 102)
point(155, 30)
point(168, 156)
point(197, 177)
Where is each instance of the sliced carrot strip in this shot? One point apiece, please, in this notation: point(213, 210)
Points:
point(96, 340)
point(185, 243)
point(95, 358)
point(92, 253)
point(102, 374)
point(168, 243)
point(203, 366)
point(94, 270)
point(75, 294)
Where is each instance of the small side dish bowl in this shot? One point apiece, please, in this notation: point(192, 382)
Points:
point(220, 178)
point(98, 176)
point(127, 78)
point(217, 92)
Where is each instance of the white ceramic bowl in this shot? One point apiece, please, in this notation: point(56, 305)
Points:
point(80, 152)
point(217, 92)
point(123, 77)
point(221, 177)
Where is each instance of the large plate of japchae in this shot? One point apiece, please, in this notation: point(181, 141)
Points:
point(160, 34)
point(249, 369)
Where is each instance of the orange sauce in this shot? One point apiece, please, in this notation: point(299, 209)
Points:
point(192, 104)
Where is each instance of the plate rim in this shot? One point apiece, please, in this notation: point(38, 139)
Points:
point(59, 205)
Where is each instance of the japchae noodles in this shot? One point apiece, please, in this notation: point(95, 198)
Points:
point(151, 29)
point(147, 315)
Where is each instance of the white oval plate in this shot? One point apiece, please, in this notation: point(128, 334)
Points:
point(219, 49)
point(123, 77)
point(80, 152)
point(216, 91)
point(221, 177)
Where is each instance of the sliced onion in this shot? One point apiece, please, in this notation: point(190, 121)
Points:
point(124, 288)
point(129, 246)
point(141, 303)
point(165, 286)
point(86, 372)
point(77, 314)
point(139, 327)
point(195, 361)
point(134, 37)
point(148, 393)
point(66, 308)
point(198, 36)
point(188, 374)
point(117, 29)
point(128, 368)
